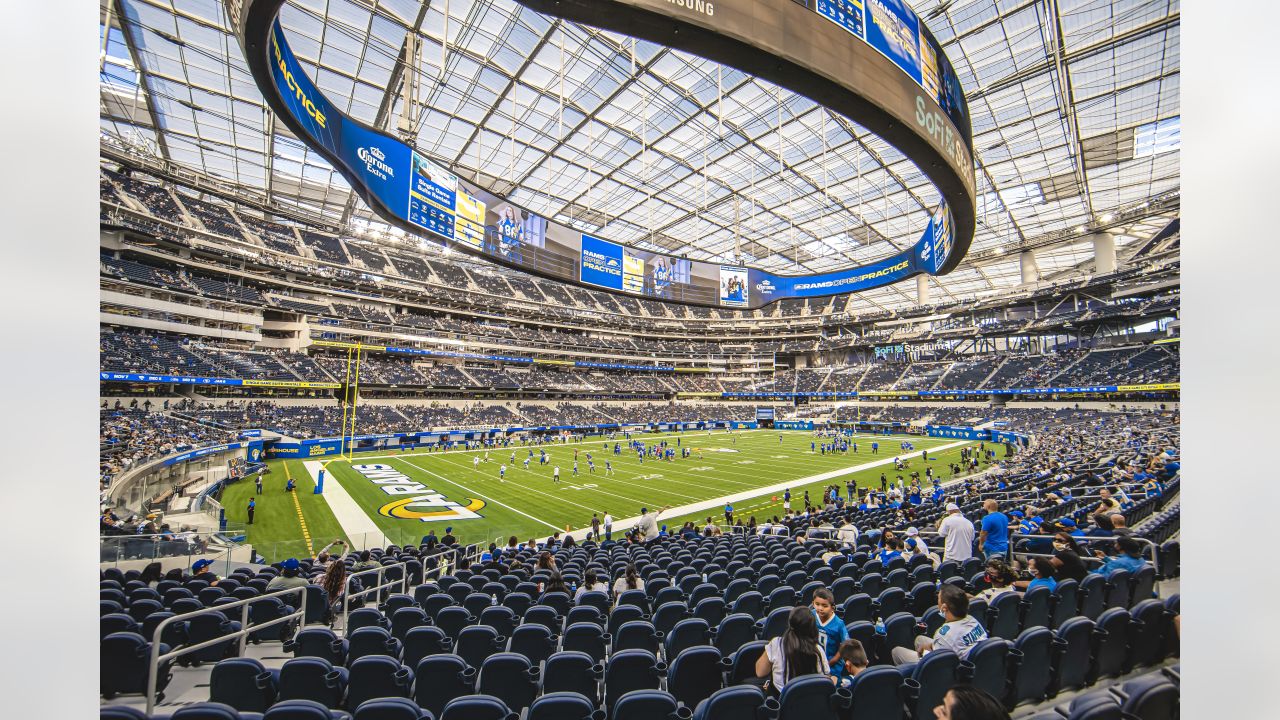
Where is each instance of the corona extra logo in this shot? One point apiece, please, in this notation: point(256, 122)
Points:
point(423, 503)
point(375, 162)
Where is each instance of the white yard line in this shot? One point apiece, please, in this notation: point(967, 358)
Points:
point(473, 493)
point(620, 525)
point(354, 520)
point(566, 482)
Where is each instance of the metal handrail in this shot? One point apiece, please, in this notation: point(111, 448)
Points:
point(381, 571)
point(1155, 554)
point(153, 667)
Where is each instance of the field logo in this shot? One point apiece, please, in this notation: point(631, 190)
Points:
point(422, 504)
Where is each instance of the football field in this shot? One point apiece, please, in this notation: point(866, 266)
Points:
point(374, 499)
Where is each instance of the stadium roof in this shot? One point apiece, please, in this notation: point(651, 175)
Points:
point(1074, 106)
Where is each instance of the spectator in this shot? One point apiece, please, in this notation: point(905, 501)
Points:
point(366, 562)
point(629, 581)
point(1128, 557)
point(957, 533)
point(288, 577)
point(1043, 574)
point(1001, 577)
point(831, 629)
point(959, 633)
point(1119, 527)
point(324, 551)
point(151, 575)
point(851, 660)
point(794, 654)
point(892, 549)
point(647, 525)
point(994, 537)
point(1101, 526)
point(848, 533)
point(545, 561)
point(914, 533)
point(915, 547)
point(200, 571)
point(1108, 504)
point(966, 702)
point(448, 539)
point(1067, 560)
point(591, 583)
point(555, 583)
point(335, 584)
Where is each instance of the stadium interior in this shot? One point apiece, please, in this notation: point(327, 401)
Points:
point(277, 360)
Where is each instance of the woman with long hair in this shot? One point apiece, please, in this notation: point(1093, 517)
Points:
point(794, 654)
point(590, 583)
point(334, 583)
point(630, 580)
point(545, 561)
point(555, 583)
point(151, 574)
point(1068, 561)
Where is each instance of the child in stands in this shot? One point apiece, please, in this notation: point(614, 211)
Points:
point(831, 629)
point(851, 659)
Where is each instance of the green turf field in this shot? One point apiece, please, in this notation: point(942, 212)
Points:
point(529, 505)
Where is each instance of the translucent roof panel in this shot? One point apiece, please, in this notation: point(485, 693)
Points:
point(1074, 104)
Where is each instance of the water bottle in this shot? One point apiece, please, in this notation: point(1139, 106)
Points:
point(879, 626)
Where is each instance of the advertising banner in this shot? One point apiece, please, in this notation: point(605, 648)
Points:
point(894, 30)
point(601, 263)
point(957, 433)
point(734, 286)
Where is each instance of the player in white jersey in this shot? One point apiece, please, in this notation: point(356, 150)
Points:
point(555, 474)
point(475, 462)
point(502, 472)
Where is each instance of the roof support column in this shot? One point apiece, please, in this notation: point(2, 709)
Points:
point(1104, 253)
point(1027, 265)
point(922, 289)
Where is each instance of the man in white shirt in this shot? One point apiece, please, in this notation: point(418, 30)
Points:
point(958, 634)
point(957, 533)
point(607, 522)
point(920, 543)
point(848, 534)
point(647, 525)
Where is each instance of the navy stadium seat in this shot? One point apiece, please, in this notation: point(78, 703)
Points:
point(442, 678)
point(244, 684)
point(313, 678)
point(376, 676)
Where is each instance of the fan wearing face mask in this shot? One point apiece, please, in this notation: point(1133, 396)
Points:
point(1066, 558)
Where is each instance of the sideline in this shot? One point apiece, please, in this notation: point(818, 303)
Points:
point(353, 520)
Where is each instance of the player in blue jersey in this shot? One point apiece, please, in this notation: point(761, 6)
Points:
point(608, 468)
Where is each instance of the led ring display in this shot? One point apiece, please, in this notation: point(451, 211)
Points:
point(872, 61)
